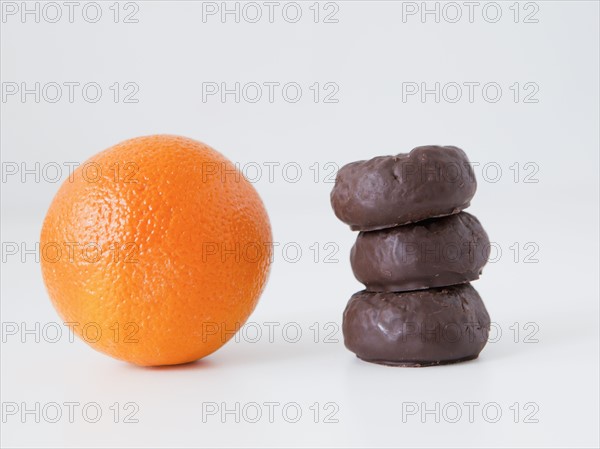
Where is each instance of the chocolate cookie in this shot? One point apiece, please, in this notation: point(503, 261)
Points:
point(431, 253)
point(418, 328)
point(387, 191)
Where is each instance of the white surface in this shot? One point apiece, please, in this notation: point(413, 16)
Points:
point(369, 53)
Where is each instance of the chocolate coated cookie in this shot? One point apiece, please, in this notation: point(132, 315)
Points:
point(387, 191)
point(431, 253)
point(417, 328)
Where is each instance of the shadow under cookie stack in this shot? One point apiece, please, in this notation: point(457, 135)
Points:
point(416, 254)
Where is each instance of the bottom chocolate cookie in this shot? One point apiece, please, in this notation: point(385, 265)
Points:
point(417, 328)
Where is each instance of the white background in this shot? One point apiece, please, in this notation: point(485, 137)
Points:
point(369, 53)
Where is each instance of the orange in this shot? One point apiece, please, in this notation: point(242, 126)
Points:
point(156, 250)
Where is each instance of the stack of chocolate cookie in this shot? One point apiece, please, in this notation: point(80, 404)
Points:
point(416, 254)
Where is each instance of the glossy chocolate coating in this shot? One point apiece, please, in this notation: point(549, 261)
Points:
point(418, 328)
point(387, 191)
point(431, 253)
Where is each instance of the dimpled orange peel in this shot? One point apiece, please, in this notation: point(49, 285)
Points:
point(156, 250)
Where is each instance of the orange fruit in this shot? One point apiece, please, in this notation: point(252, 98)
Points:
point(156, 250)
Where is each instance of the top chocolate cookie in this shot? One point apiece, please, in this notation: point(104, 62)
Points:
point(386, 191)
